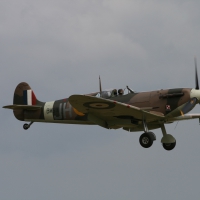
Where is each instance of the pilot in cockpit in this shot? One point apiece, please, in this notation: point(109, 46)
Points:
point(120, 92)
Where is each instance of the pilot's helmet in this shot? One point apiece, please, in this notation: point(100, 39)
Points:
point(120, 91)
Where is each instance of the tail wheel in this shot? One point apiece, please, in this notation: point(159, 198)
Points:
point(146, 140)
point(169, 146)
point(25, 126)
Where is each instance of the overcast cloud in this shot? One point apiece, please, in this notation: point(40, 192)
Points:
point(60, 48)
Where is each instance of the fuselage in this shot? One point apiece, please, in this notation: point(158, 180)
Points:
point(60, 111)
point(112, 109)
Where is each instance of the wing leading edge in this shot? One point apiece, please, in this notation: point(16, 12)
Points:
point(184, 117)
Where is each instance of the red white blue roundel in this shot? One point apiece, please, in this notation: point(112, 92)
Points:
point(99, 105)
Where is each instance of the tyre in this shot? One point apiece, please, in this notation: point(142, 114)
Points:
point(169, 146)
point(153, 136)
point(146, 140)
point(25, 126)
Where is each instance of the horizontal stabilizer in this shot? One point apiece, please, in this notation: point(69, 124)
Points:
point(23, 107)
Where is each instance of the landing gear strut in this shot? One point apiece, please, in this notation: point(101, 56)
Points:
point(27, 126)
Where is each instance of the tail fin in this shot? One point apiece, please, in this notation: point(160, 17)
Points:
point(24, 95)
point(24, 100)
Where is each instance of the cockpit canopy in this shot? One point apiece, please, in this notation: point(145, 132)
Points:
point(110, 93)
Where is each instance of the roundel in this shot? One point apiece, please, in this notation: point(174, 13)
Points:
point(99, 105)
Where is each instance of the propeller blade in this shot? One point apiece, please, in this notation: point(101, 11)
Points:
point(100, 89)
point(189, 106)
point(196, 74)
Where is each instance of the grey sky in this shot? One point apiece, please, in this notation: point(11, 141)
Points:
point(60, 48)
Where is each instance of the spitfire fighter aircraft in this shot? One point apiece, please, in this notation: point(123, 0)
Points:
point(133, 111)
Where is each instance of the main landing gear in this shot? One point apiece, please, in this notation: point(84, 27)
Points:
point(27, 126)
point(168, 141)
point(147, 138)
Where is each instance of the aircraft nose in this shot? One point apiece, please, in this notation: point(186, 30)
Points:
point(195, 93)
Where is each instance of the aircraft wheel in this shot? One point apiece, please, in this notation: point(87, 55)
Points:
point(169, 146)
point(146, 140)
point(25, 126)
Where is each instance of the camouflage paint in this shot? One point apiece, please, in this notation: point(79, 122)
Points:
point(61, 110)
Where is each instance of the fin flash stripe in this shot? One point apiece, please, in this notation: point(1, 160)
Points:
point(29, 97)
